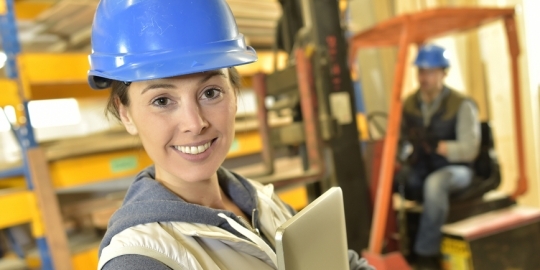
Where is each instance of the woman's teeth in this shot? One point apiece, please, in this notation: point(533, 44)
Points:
point(194, 150)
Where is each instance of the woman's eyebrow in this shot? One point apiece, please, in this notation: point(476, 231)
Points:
point(158, 85)
point(210, 74)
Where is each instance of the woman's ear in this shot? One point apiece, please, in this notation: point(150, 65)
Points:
point(125, 117)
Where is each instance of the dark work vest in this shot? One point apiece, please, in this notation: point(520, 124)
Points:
point(443, 125)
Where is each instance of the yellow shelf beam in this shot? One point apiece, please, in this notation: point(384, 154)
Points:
point(265, 63)
point(118, 164)
point(97, 168)
point(18, 207)
point(297, 198)
point(63, 75)
point(80, 260)
point(13, 182)
point(9, 95)
point(55, 75)
point(30, 9)
point(86, 260)
point(53, 68)
point(59, 68)
point(245, 143)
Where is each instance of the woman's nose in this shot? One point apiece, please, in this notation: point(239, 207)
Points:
point(192, 119)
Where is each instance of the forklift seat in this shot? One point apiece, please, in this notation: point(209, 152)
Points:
point(487, 174)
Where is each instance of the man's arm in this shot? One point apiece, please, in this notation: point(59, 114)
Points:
point(404, 148)
point(465, 148)
point(358, 263)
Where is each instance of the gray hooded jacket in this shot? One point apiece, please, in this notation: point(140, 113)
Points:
point(147, 202)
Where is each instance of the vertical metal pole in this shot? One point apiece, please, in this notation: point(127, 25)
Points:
point(389, 151)
point(11, 45)
point(10, 42)
point(308, 101)
point(259, 85)
point(513, 46)
point(45, 255)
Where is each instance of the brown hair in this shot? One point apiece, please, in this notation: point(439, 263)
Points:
point(119, 90)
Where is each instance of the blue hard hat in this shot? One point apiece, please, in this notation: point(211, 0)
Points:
point(432, 56)
point(136, 40)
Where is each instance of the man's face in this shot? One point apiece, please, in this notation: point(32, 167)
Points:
point(431, 79)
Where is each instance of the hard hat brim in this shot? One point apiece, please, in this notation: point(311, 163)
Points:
point(165, 66)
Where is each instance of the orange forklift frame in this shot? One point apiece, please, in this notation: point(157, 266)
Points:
point(403, 31)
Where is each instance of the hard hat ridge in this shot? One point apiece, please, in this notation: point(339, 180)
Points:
point(432, 56)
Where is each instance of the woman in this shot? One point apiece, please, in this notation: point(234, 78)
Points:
point(170, 65)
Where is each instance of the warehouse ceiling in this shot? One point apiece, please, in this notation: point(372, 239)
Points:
point(65, 25)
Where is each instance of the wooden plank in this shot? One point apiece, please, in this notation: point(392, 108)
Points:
point(88, 206)
point(100, 217)
point(50, 210)
point(93, 144)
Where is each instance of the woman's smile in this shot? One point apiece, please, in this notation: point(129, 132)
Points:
point(196, 151)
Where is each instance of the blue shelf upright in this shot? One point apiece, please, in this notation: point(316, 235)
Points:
point(24, 132)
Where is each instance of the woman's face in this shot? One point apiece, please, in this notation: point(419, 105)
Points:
point(186, 123)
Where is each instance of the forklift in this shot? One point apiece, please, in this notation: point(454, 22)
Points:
point(480, 229)
point(316, 86)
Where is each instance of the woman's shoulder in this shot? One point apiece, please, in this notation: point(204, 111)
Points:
point(157, 241)
point(134, 262)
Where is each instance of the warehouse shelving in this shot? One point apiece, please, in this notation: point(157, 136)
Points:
point(27, 200)
point(90, 169)
point(52, 76)
point(29, 191)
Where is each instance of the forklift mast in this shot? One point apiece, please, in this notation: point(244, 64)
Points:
point(320, 38)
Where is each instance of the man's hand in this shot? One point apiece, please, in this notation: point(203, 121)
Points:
point(430, 142)
point(442, 148)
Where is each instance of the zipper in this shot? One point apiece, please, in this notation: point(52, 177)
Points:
point(253, 213)
point(247, 231)
point(246, 224)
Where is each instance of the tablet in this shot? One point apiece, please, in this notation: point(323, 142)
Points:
point(316, 237)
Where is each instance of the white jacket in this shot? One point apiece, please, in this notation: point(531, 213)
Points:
point(194, 246)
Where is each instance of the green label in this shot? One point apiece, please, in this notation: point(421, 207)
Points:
point(235, 146)
point(124, 164)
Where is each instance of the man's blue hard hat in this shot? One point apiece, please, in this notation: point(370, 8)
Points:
point(136, 40)
point(432, 56)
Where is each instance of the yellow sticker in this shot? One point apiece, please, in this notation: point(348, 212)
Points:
point(124, 164)
point(235, 146)
point(456, 254)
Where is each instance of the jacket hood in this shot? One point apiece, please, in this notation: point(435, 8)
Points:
point(149, 201)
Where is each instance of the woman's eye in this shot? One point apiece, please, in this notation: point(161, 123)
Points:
point(211, 93)
point(162, 101)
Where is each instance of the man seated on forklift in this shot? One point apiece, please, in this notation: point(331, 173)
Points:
point(443, 129)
